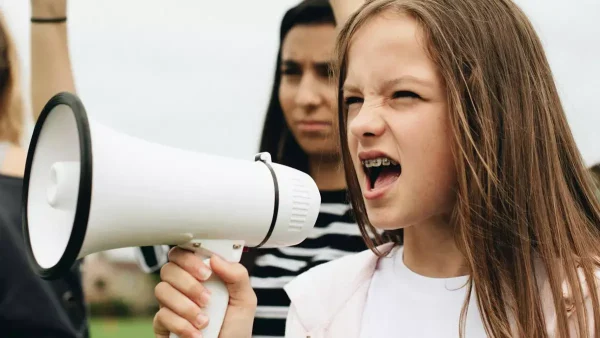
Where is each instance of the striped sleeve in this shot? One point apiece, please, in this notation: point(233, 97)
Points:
point(151, 258)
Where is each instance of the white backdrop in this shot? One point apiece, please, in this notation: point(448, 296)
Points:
point(196, 74)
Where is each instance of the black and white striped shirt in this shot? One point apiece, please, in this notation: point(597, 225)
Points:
point(335, 235)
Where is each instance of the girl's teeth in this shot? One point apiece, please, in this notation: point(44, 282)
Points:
point(376, 162)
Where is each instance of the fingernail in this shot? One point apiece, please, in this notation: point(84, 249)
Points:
point(197, 335)
point(204, 273)
point(201, 319)
point(205, 297)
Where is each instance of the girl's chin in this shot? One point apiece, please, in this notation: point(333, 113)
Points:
point(387, 219)
point(391, 218)
point(387, 226)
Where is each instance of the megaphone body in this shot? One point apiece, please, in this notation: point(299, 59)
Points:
point(89, 188)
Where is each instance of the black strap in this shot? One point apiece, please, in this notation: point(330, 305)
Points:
point(48, 20)
point(275, 205)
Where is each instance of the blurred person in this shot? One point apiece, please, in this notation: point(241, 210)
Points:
point(299, 131)
point(501, 229)
point(29, 305)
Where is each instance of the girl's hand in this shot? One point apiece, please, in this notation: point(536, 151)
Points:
point(182, 297)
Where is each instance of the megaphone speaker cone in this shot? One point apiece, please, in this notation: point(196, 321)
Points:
point(54, 239)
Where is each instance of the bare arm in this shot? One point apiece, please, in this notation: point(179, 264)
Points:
point(14, 162)
point(51, 71)
point(343, 9)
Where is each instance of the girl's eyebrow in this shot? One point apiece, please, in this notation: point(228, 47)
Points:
point(406, 79)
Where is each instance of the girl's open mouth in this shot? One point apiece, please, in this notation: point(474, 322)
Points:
point(380, 172)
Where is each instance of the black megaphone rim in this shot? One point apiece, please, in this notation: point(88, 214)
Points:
point(78, 231)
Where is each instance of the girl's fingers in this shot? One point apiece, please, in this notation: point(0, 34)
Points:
point(181, 280)
point(180, 305)
point(166, 322)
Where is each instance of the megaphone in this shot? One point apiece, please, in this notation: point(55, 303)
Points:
point(88, 188)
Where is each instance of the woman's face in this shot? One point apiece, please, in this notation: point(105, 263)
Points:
point(307, 93)
point(398, 127)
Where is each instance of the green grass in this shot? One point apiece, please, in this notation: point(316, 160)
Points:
point(120, 327)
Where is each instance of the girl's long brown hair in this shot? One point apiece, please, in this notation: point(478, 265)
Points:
point(11, 100)
point(526, 215)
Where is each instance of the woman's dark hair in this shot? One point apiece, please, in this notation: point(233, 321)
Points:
point(276, 137)
point(11, 96)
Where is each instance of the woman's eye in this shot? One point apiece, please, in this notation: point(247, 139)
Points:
point(405, 94)
point(291, 71)
point(324, 71)
point(351, 100)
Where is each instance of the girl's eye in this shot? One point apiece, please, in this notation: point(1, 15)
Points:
point(351, 100)
point(405, 94)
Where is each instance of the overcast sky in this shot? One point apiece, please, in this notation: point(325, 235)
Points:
point(181, 72)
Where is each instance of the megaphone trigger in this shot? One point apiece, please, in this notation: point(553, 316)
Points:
point(228, 250)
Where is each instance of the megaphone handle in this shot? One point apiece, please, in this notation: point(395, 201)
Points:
point(219, 299)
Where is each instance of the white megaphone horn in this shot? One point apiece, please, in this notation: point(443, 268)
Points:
point(88, 188)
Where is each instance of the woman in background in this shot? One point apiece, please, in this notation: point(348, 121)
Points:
point(300, 132)
point(29, 305)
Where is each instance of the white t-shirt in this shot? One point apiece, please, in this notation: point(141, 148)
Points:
point(401, 303)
